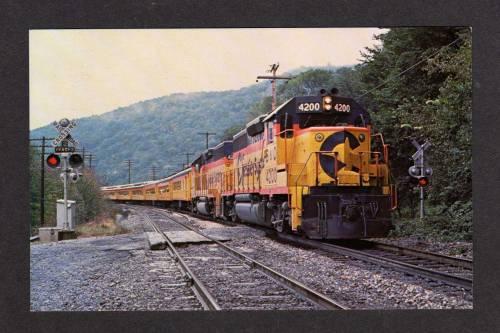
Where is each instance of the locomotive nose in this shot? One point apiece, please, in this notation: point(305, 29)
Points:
point(343, 215)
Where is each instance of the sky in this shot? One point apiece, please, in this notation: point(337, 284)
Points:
point(79, 73)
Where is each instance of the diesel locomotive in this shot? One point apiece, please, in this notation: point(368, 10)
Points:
point(311, 166)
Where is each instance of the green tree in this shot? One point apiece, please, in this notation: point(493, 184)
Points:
point(230, 132)
point(260, 108)
point(434, 97)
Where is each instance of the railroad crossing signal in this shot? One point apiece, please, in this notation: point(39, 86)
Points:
point(62, 147)
point(53, 160)
point(419, 171)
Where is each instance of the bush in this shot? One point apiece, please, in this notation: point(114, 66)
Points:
point(441, 224)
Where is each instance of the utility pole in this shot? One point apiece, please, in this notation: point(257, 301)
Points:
point(153, 171)
point(42, 178)
point(89, 156)
point(129, 164)
point(42, 185)
point(83, 156)
point(273, 78)
point(206, 134)
point(187, 158)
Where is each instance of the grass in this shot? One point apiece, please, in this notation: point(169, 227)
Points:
point(104, 226)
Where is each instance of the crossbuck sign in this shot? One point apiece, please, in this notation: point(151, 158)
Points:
point(64, 126)
point(418, 157)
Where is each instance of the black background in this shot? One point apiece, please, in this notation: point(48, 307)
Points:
point(18, 18)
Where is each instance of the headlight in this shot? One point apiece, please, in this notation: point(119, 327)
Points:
point(327, 103)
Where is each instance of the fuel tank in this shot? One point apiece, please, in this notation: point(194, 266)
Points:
point(202, 206)
point(253, 212)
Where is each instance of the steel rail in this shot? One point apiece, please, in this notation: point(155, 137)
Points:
point(387, 262)
point(436, 257)
point(206, 299)
point(311, 295)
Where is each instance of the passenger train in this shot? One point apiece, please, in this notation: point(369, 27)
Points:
point(312, 166)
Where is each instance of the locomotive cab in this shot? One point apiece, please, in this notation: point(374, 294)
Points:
point(338, 186)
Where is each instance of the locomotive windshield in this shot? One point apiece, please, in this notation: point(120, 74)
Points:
point(319, 120)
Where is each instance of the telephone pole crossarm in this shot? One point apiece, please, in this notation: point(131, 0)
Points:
point(206, 134)
point(273, 78)
point(263, 77)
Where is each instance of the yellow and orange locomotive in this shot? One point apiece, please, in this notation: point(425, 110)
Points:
point(311, 166)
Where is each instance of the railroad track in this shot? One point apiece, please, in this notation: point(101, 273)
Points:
point(457, 272)
point(225, 278)
point(436, 267)
point(199, 289)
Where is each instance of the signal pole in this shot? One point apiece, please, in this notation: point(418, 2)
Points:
point(273, 78)
point(65, 167)
point(206, 134)
point(129, 164)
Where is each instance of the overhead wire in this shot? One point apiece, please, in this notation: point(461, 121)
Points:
point(411, 67)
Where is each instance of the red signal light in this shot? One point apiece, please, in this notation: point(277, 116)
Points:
point(53, 160)
point(423, 182)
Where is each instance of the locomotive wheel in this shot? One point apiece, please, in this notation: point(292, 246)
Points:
point(279, 226)
point(282, 226)
point(233, 216)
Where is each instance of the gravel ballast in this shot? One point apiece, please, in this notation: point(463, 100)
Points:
point(356, 283)
point(120, 273)
point(106, 273)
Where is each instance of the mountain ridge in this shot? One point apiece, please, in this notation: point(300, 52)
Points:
point(157, 131)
